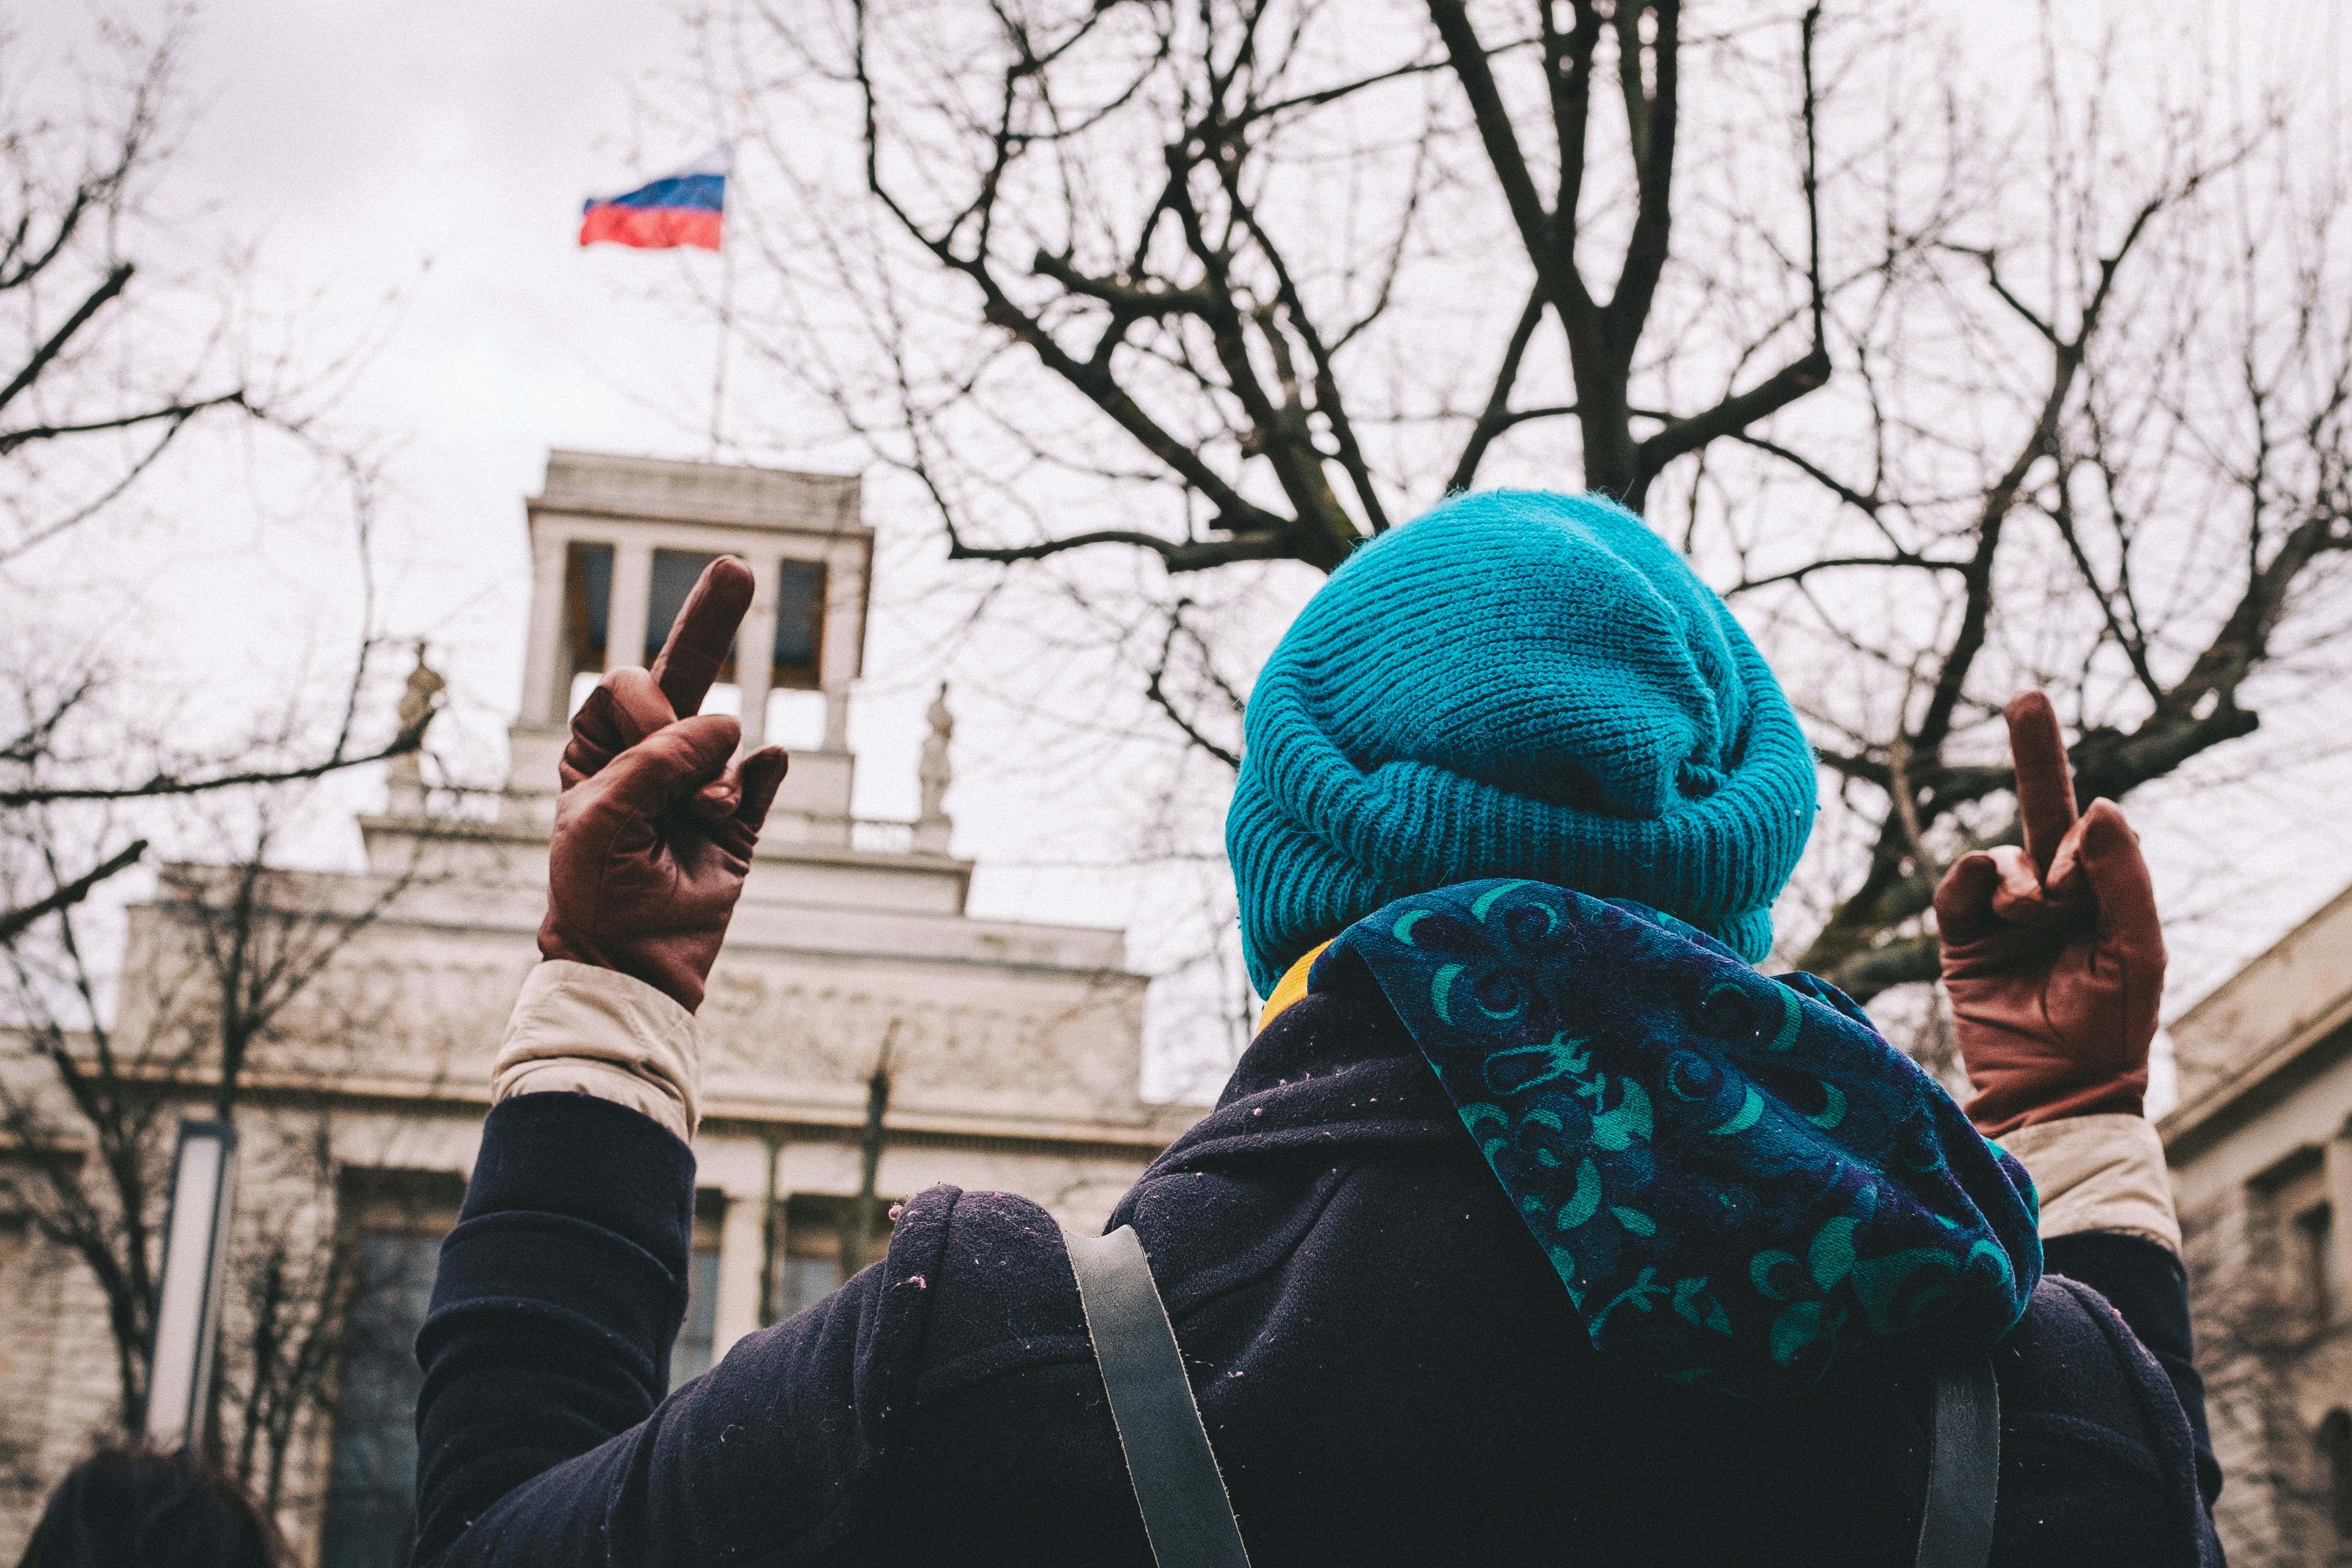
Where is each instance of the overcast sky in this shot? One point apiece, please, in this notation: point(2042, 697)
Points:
point(439, 151)
point(413, 173)
point(410, 175)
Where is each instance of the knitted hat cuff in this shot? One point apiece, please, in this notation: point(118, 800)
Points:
point(1304, 892)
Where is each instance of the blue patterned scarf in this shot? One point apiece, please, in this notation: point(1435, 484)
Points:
point(1742, 1186)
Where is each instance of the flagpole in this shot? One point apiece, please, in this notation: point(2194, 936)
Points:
point(726, 332)
point(672, 211)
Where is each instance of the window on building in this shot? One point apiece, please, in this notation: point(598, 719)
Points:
point(799, 625)
point(395, 1220)
point(2314, 1245)
point(819, 1232)
point(2292, 1200)
point(697, 1336)
point(2335, 1441)
point(587, 607)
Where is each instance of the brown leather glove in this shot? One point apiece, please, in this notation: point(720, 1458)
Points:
point(654, 830)
point(2053, 954)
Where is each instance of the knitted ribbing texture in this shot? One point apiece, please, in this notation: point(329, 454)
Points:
point(1517, 684)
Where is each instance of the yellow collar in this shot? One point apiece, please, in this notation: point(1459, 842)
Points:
point(1291, 987)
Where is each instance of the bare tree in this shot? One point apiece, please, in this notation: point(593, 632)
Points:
point(221, 960)
point(307, 1293)
point(118, 360)
point(1954, 387)
point(121, 354)
point(144, 360)
point(2149, 527)
point(78, 434)
point(298, 1290)
point(1128, 194)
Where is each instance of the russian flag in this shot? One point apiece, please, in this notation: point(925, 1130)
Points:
point(684, 207)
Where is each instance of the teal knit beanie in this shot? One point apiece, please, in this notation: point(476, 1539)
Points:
point(1518, 684)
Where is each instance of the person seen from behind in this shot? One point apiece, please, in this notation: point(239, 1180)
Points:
point(135, 1508)
point(1535, 1223)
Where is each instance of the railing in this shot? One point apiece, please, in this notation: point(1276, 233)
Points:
point(456, 808)
point(882, 837)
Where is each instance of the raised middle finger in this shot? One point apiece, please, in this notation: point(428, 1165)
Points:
point(2046, 785)
point(703, 635)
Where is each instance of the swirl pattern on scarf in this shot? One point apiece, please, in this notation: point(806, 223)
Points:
point(1740, 1182)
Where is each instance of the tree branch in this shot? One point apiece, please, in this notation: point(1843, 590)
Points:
point(32, 266)
point(1735, 414)
point(1900, 961)
point(106, 290)
point(1654, 112)
point(1496, 417)
point(1176, 555)
point(1133, 302)
point(12, 439)
point(1991, 259)
point(1868, 505)
point(1156, 690)
point(1487, 110)
point(1092, 380)
point(1838, 562)
point(167, 784)
point(14, 921)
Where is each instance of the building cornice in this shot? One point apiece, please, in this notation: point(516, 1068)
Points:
point(2260, 1084)
point(855, 533)
point(485, 830)
point(2258, 970)
point(1143, 1137)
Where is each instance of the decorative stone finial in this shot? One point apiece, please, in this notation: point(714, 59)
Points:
point(933, 827)
point(418, 702)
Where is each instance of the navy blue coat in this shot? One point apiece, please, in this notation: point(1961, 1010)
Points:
point(1388, 1367)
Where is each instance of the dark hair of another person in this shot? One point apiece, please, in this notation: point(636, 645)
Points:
point(134, 1508)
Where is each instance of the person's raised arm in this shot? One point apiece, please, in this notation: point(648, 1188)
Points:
point(560, 1291)
point(2053, 960)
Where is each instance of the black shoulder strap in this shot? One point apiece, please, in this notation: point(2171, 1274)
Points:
point(1190, 1518)
point(1963, 1468)
point(1186, 1513)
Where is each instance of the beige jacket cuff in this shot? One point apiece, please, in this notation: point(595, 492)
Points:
point(584, 1030)
point(2098, 1173)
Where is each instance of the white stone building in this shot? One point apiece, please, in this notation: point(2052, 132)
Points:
point(2261, 1150)
point(1014, 1047)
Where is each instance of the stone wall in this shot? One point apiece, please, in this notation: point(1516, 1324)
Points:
point(2262, 1166)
